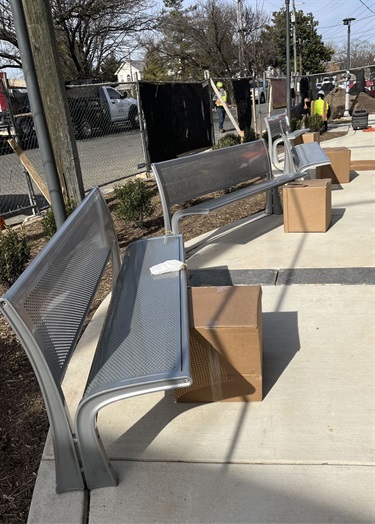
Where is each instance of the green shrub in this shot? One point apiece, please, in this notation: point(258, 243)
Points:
point(134, 201)
point(228, 140)
point(314, 122)
point(296, 123)
point(14, 255)
point(250, 135)
point(48, 221)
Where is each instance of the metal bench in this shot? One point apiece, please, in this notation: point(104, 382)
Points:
point(184, 179)
point(305, 157)
point(302, 157)
point(277, 127)
point(142, 347)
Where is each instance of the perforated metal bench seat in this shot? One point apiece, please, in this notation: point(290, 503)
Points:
point(182, 180)
point(143, 346)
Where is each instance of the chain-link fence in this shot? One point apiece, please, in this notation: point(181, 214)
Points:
point(110, 139)
point(111, 142)
point(106, 126)
point(17, 192)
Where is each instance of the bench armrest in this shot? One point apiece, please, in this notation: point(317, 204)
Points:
point(308, 156)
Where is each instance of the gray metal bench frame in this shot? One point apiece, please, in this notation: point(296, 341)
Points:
point(304, 157)
point(277, 127)
point(142, 347)
point(301, 157)
point(184, 179)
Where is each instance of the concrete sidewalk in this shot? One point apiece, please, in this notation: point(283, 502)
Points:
point(305, 454)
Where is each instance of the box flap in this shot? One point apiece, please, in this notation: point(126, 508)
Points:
point(224, 306)
point(315, 182)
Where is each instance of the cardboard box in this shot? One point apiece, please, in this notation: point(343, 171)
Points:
point(311, 137)
point(339, 169)
point(225, 344)
point(298, 140)
point(307, 206)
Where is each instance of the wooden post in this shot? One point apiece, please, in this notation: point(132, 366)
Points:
point(25, 161)
point(52, 89)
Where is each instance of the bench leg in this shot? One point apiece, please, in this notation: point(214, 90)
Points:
point(273, 203)
point(97, 469)
point(67, 466)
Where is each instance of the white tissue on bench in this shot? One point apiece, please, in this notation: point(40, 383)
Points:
point(168, 266)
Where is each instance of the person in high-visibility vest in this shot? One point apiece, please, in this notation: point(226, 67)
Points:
point(219, 106)
point(321, 107)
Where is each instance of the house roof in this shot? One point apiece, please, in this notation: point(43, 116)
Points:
point(137, 64)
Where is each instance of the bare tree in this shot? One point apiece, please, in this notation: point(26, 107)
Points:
point(362, 53)
point(204, 36)
point(88, 32)
point(258, 52)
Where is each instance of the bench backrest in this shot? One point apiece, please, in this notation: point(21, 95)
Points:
point(59, 285)
point(47, 307)
point(183, 179)
point(275, 124)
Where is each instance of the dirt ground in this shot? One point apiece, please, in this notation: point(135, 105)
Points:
point(336, 101)
point(23, 419)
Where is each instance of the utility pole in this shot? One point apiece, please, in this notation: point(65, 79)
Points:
point(241, 51)
point(347, 21)
point(294, 20)
point(288, 99)
point(39, 23)
point(45, 146)
point(294, 40)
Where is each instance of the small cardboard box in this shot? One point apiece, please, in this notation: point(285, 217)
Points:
point(307, 206)
point(311, 137)
point(225, 344)
point(298, 140)
point(339, 169)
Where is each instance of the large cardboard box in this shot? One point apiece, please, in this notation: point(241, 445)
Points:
point(225, 344)
point(339, 169)
point(307, 206)
point(311, 137)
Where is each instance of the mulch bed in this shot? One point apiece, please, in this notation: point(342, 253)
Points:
point(23, 419)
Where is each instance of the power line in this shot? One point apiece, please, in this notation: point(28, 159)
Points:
point(367, 6)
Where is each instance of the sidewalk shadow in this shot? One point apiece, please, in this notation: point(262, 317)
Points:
point(245, 230)
point(280, 344)
point(337, 215)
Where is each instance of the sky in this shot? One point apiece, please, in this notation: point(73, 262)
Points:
point(330, 15)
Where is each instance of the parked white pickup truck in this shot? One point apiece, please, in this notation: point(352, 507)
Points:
point(100, 108)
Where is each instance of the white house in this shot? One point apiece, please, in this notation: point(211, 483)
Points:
point(130, 71)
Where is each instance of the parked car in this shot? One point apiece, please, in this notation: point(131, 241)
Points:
point(318, 85)
point(260, 89)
